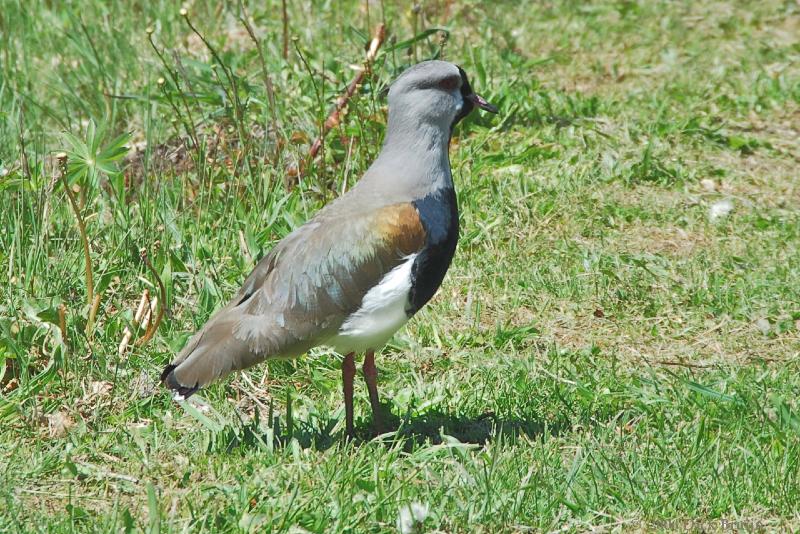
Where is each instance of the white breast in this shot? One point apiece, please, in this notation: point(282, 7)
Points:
point(382, 313)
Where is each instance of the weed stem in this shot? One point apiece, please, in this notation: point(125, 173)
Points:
point(61, 165)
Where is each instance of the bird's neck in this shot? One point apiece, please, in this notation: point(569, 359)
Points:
point(420, 150)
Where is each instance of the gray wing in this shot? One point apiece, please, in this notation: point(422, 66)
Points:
point(300, 293)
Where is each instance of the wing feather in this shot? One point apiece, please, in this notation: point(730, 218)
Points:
point(301, 292)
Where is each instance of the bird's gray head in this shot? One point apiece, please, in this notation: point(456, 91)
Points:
point(425, 102)
point(433, 93)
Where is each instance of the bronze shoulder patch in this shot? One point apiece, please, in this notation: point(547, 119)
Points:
point(400, 225)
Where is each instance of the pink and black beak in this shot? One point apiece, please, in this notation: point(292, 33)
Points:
point(471, 99)
point(481, 102)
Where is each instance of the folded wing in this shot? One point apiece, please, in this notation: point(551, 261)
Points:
point(300, 293)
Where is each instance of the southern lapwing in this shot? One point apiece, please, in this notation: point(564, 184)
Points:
point(363, 265)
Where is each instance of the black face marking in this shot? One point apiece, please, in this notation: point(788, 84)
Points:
point(438, 213)
point(466, 104)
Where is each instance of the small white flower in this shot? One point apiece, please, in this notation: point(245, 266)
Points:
point(419, 511)
point(405, 523)
point(720, 209)
point(410, 519)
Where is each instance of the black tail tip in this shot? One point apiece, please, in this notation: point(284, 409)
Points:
point(166, 373)
point(169, 380)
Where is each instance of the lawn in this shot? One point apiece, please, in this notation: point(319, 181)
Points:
point(616, 346)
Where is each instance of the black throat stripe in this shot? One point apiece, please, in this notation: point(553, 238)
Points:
point(438, 213)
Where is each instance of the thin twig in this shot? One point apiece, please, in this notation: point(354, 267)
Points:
point(99, 472)
point(682, 364)
point(247, 392)
point(61, 167)
point(765, 359)
point(335, 115)
point(233, 94)
point(188, 123)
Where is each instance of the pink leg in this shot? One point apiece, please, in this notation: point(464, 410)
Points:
point(371, 377)
point(348, 372)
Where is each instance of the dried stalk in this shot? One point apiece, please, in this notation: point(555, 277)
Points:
point(62, 321)
point(335, 115)
point(93, 313)
point(285, 17)
point(151, 329)
point(149, 311)
point(26, 168)
point(245, 248)
point(415, 11)
point(137, 318)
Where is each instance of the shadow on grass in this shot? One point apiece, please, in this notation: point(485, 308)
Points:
point(433, 425)
point(430, 427)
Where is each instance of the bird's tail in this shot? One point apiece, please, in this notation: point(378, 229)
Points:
point(211, 353)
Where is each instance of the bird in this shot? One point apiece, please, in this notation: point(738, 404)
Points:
point(363, 265)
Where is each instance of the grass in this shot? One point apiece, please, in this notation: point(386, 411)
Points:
point(602, 355)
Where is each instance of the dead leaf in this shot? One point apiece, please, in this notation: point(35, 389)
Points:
point(100, 388)
point(59, 424)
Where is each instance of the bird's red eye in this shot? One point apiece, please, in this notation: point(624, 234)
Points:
point(450, 83)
